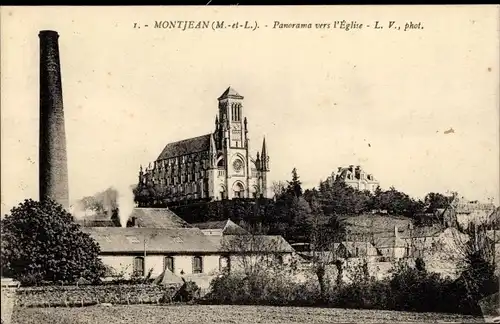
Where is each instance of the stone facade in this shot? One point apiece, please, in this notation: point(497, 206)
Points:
point(356, 177)
point(214, 166)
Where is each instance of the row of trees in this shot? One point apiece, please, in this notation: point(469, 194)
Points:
point(294, 211)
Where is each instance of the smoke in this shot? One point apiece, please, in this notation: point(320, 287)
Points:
point(126, 204)
point(112, 201)
point(79, 210)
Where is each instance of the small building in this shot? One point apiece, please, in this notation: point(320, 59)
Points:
point(351, 249)
point(465, 212)
point(238, 252)
point(356, 177)
point(136, 251)
point(226, 227)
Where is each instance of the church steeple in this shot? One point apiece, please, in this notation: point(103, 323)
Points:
point(264, 156)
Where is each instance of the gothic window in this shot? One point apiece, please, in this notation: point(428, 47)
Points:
point(139, 266)
point(238, 190)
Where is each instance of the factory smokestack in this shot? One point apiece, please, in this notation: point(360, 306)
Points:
point(53, 163)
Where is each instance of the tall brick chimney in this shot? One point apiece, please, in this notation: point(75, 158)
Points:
point(53, 176)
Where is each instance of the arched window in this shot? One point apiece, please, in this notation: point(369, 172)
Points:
point(238, 190)
point(139, 266)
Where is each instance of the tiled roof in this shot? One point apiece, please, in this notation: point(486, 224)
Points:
point(157, 218)
point(187, 146)
point(229, 227)
point(158, 240)
point(375, 223)
point(211, 225)
point(251, 243)
point(422, 231)
point(388, 242)
point(230, 93)
point(96, 223)
point(96, 220)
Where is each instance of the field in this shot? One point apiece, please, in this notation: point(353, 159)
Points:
point(184, 314)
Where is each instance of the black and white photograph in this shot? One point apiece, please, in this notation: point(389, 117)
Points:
point(250, 164)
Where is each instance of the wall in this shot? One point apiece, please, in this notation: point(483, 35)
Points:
point(238, 263)
point(217, 232)
point(182, 263)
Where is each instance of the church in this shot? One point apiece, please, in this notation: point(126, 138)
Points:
point(214, 166)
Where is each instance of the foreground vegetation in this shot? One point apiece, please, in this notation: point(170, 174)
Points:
point(223, 314)
point(407, 289)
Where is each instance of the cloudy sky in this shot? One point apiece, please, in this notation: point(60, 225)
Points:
point(322, 98)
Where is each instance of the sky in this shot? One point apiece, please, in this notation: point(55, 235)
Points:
point(382, 99)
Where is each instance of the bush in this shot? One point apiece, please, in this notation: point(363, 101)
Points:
point(41, 242)
point(408, 289)
point(262, 288)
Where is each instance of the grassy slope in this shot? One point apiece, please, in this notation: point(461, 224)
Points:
point(183, 314)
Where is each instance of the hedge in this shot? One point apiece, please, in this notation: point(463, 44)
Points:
point(79, 296)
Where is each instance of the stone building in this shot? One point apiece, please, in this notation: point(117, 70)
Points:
point(214, 166)
point(356, 177)
point(465, 212)
point(156, 240)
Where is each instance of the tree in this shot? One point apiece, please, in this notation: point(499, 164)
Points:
point(40, 242)
point(435, 201)
point(278, 188)
point(295, 186)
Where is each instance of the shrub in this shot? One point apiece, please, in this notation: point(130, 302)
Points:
point(41, 242)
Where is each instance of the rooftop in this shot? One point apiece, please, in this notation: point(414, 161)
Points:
point(184, 147)
point(152, 240)
point(230, 93)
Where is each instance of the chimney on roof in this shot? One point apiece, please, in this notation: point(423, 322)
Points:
point(132, 222)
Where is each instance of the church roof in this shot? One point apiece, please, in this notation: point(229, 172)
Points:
point(187, 146)
point(230, 93)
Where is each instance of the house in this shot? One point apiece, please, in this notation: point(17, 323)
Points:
point(391, 245)
point(355, 177)
point(156, 239)
point(348, 249)
point(132, 250)
point(226, 227)
point(464, 212)
point(238, 252)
